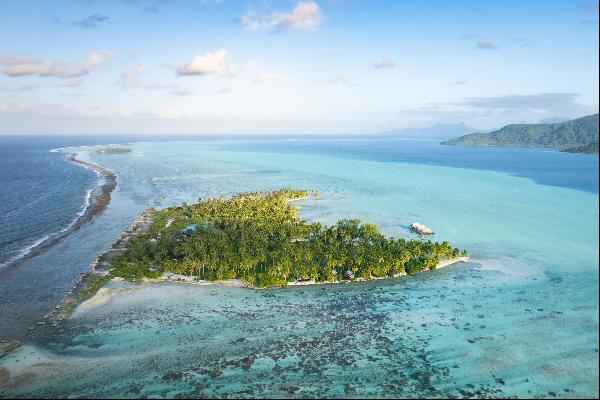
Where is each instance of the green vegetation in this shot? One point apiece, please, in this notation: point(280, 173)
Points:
point(7, 347)
point(591, 148)
point(258, 238)
point(92, 286)
point(113, 150)
point(570, 134)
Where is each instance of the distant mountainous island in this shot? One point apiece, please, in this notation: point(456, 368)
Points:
point(437, 131)
point(576, 136)
point(591, 148)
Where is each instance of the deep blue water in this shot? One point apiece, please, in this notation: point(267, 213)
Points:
point(41, 193)
point(548, 167)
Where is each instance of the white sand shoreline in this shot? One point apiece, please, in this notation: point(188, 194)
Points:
point(106, 293)
point(178, 278)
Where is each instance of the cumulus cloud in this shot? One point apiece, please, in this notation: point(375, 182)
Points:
point(130, 78)
point(92, 21)
point(485, 45)
point(386, 62)
point(261, 78)
point(22, 66)
point(209, 64)
point(306, 15)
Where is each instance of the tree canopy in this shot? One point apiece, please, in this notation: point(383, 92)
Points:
point(570, 134)
point(258, 238)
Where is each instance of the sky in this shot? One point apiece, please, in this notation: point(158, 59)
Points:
point(292, 67)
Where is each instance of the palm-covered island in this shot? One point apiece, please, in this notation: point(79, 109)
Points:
point(258, 238)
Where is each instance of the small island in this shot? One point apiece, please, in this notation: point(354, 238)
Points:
point(258, 239)
point(113, 150)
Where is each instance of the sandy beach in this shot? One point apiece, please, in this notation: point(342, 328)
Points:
point(105, 294)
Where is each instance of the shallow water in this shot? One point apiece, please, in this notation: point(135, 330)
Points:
point(521, 319)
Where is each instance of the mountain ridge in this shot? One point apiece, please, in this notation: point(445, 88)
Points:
point(570, 134)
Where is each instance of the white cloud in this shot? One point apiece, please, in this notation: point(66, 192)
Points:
point(23, 66)
point(97, 57)
point(209, 64)
point(306, 15)
point(130, 78)
point(386, 62)
point(261, 78)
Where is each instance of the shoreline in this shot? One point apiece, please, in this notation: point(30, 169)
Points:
point(104, 294)
point(179, 278)
point(97, 200)
point(91, 287)
point(89, 283)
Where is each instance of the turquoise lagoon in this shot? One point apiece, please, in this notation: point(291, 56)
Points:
point(520, 319)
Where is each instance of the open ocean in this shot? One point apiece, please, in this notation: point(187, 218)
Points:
point(520, 319)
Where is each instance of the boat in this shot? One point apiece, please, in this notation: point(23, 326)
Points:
point(421, 229)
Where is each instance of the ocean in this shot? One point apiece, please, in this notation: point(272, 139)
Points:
point(520, 319)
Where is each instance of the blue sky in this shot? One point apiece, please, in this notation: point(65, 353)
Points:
point(322, 66)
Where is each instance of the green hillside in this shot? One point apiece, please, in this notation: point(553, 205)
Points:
point(591, 148)
point(565, 135)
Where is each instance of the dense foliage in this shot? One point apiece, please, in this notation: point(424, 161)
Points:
point(569, 134)
point(591, 148)
point(258, 238)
